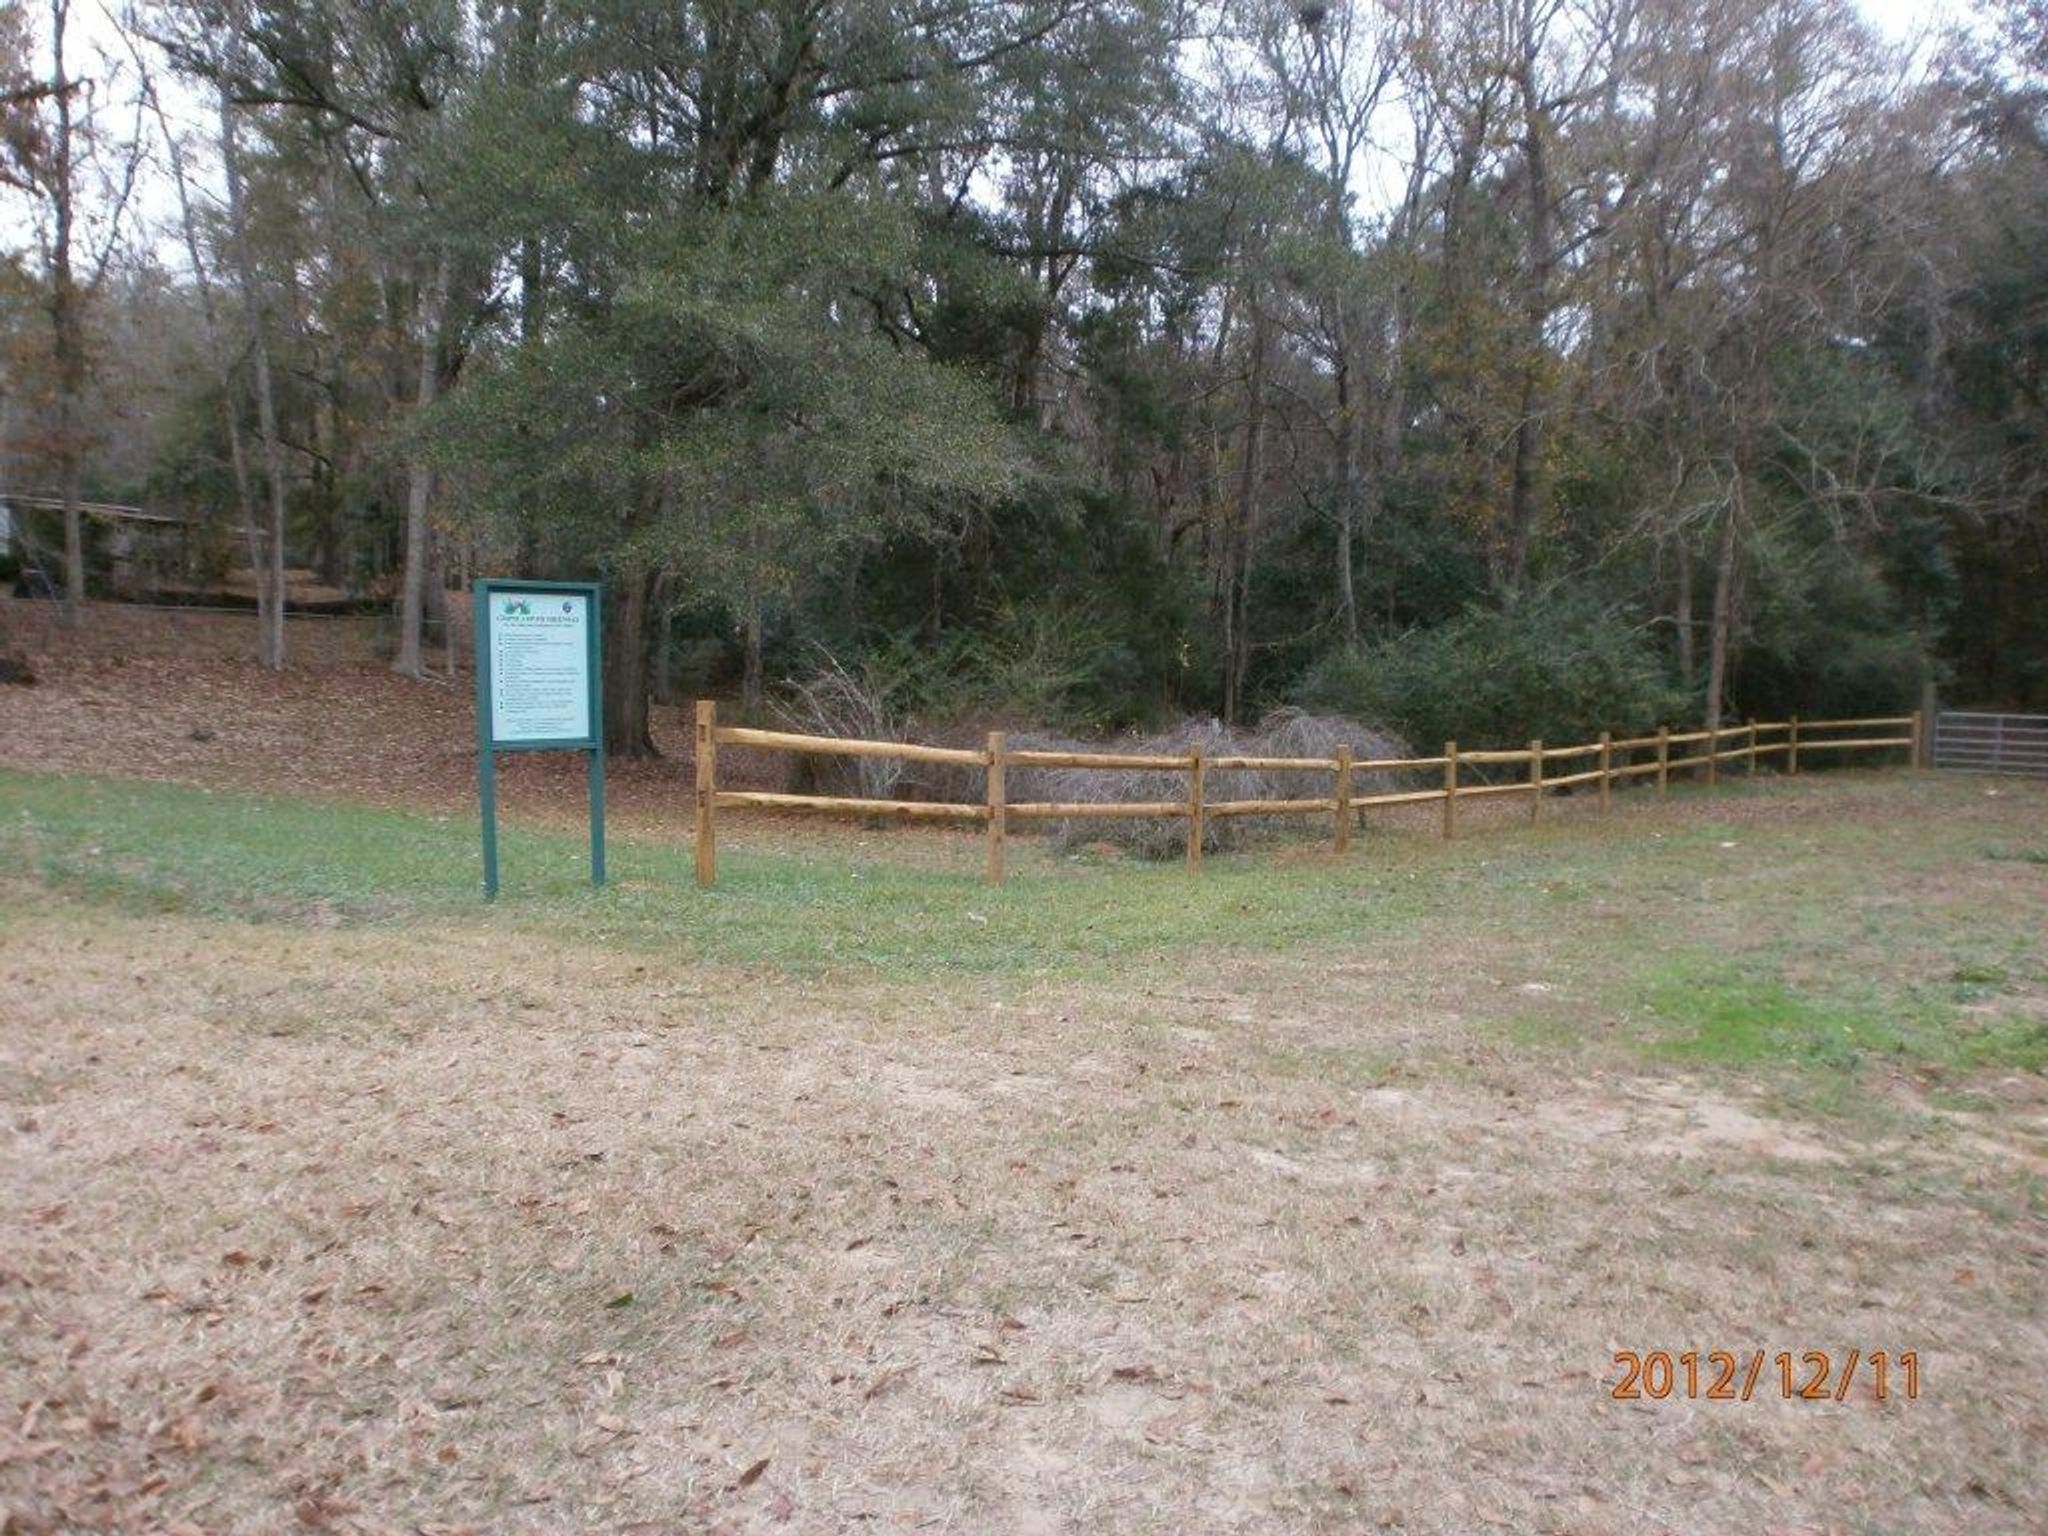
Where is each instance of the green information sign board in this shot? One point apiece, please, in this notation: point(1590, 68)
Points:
point(538, 689)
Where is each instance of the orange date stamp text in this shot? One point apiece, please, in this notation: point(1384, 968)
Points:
point(1728, 1376)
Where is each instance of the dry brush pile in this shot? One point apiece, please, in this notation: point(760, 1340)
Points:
point(833, 704)
point(1283, 733)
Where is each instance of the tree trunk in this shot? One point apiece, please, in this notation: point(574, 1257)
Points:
point(445, 605)
point(1522, 491)
point(419, 486)
point(330, 421)
point(1237, 595)
point(750, 678)
point(326, 482)
point(664, 650)
point(532, 318)
point(1346, 486)
point(67, 331)
point(1539, 259)
point(1391, 406)
point(533, 278)
point(270, 546)
point(209, 313)
point(1688, 663)
point(1724, 605)
point(272, 585)
point(626, 665)
point(74, 525)
point(434, 603)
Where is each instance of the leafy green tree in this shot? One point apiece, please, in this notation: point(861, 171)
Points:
point(732, 420)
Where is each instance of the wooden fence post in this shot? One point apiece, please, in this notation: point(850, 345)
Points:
point(1713, 754)
point(998, 808)
point(1535, 780)
point(707, 791)
point(1918, 749)
point(1751, 773)
point(1450, 789)
point(1792, 753)
point(1606, 771)
point(1194, 808)
point(1663, 759)
point(1343, 796)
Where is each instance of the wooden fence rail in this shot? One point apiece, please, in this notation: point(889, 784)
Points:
point(1728, 743)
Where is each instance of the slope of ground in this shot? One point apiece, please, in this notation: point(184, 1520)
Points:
point(179, 696)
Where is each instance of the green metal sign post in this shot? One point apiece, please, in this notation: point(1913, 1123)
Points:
point(539, 670)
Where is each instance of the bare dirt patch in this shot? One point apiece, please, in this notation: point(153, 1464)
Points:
point(1680, 1119)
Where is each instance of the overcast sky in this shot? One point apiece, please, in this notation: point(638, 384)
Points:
point(1901, 17)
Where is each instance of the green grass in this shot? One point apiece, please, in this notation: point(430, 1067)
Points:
point(2019, 855)
point(1729, 946)
point(271, 858)
point(1708, 1012)
point(266, 858)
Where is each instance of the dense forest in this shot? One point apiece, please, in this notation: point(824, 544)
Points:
point(1479, 367)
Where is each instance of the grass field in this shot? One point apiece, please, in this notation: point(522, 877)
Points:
point(1305, 1195)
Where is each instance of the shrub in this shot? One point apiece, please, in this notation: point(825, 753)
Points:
point(1828, 639)
point(1560, 666)
point(1024, 662)
point(863, 702)
point(1055, 669)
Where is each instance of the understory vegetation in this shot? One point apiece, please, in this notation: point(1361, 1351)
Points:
point(1561, 668)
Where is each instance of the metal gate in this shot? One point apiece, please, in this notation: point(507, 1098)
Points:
point(1991, 743)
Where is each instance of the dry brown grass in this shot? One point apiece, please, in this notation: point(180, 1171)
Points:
point(355, 1231)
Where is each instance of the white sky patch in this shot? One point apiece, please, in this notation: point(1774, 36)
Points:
point(1901, 20)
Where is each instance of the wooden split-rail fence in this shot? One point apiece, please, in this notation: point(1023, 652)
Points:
point(1616, 761)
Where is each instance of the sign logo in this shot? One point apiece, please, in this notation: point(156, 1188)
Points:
point(517, 607)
